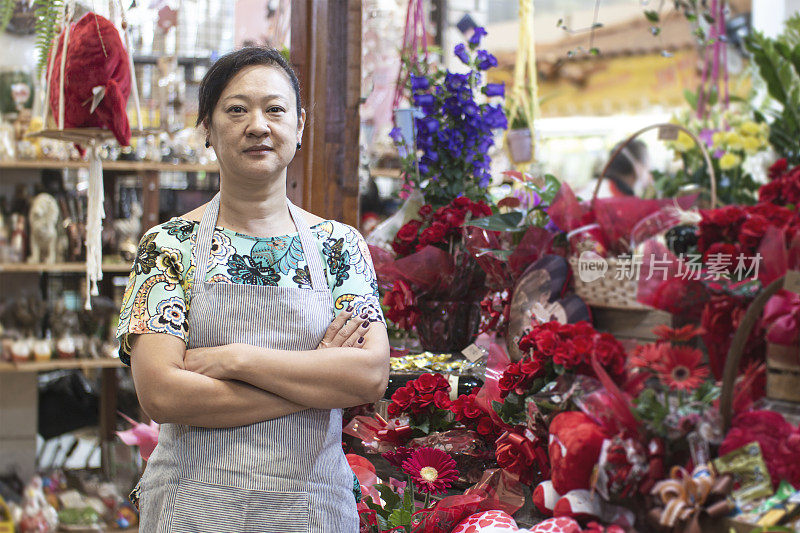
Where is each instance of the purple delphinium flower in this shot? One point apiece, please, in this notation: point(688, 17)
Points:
point(419, 83)
point(494, 117)
point(707, 136)
point(495, 89)
point(478, 34)
point(486, 60)
point(461, 52)
point(430, 124)
point(423, 100)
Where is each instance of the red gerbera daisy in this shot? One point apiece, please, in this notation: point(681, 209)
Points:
point(648, 356)
point(684, 334)
point(681, 368)
point(432, 470)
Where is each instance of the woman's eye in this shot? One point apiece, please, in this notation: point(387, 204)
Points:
point(275, 109)
point(236, 109)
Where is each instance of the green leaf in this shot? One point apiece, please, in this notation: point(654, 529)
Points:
point(499, 222)
point(652, 16)
point(424, 427)
point(690, 97)
point(389, 496)
point(380, 511)
point(594, 51)
point(400, 517)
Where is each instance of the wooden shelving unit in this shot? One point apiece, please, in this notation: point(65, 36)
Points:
point(59, 364)
point(60, 267)
point(119, 166)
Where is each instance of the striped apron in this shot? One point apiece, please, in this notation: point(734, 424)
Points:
point(284, 475)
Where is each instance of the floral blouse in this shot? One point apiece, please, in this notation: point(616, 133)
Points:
point(156, 298)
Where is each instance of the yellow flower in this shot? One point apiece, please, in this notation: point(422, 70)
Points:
point(750, 128)
point(729, 161)
point(718, 138)
point(734, 141)
point(752, 145)
point(683, 143)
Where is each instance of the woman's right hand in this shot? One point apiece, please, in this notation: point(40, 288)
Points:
point(346, 330)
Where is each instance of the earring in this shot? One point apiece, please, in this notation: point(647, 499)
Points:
point(299, 146)
point(208, 144)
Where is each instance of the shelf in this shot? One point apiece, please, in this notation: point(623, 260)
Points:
point(120, 166)
point(61, 267)
point(59, 364)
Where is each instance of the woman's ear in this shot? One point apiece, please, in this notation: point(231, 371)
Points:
point(301, 123)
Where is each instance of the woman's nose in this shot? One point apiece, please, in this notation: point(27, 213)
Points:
point(258, 125)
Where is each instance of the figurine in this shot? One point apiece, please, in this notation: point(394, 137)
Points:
point(19, 238)
point(43, 220)
point(128, 230)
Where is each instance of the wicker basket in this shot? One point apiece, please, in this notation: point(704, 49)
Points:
point(619, 292)
point(783, 370)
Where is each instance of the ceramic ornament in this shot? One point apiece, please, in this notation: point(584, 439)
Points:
point(494, 521)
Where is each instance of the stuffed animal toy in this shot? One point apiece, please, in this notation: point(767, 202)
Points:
point(43, 221)
point(575, 444)
point(97, 78)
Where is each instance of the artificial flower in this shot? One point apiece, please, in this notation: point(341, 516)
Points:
point(432, 470)
point(681, 368)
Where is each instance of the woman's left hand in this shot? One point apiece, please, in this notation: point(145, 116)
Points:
point(215, 362)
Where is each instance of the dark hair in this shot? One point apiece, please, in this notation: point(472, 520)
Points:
point(226, 67)
point(622, 165)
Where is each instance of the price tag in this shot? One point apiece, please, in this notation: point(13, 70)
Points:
point(792, 281)
point(453, 381)
point(473, 352)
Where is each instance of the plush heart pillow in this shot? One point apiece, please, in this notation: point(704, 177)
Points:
point(561, 524)
point(494, 521)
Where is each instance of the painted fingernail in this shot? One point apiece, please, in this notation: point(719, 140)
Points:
point(360, 340)
point(364, 315)
point(349, 307)
point(365, 324)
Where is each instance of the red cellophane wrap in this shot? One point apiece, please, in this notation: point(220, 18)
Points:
point(616, 218)
point(782, 312)
point(502, 273)
point(496, 490)
point(367, 478)
point(431, 272)
point(377, 433)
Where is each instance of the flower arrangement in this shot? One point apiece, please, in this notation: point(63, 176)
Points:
point(428, 471)
point(426, 401)
point(551, 350)
point(468, 413)
point(441, 228)
point(431, 268)
point(453, 130)
point(678, 393)
point(730, 137)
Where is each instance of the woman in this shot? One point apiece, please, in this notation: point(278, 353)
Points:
point(228, 324)
point(628, 174)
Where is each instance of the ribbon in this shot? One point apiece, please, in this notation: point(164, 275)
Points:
point(517, 454)
point(687, 498)
point(782, 318)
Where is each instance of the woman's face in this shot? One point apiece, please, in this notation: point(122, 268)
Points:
point(254, 127)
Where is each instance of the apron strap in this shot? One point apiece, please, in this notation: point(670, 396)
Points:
point(316, 269)
point(202, 246)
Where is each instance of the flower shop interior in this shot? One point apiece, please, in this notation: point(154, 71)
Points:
point(578, 219)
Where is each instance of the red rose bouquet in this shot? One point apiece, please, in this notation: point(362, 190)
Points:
point(426, 402)
point(432, 274)
point(552, 350)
